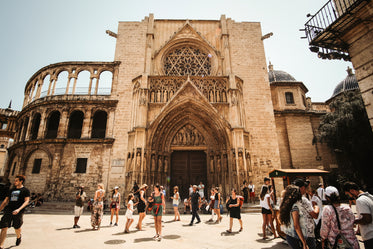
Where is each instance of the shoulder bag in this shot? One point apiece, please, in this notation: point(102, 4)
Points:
point(340, 241)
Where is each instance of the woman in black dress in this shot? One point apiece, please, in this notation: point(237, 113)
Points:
point(234, 210)
point(141, 205)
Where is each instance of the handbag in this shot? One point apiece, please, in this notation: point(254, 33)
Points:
point(340, 241)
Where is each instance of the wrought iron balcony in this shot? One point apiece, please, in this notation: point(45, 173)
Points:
point(326, 28)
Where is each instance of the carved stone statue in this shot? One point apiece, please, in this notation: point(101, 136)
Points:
point(152, 96)
point(144, 166)
point(165, 164)
point(129, 162)
point(160, 164)
point(212, 164)
point(218, 164)
point(153, 163)
point(133, 162)
point(165, 96)
point(138, 161)
point(240, 161)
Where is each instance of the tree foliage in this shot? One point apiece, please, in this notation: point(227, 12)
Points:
point(348, 132)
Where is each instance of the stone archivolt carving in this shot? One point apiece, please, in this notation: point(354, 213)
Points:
point(187, 60)
point(162, 88)
point(188, 135)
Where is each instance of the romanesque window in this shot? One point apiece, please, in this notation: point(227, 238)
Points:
point(289, 98)
point(37, 165)
point(187, 60)
point(75, 124)
point(52, 125)
point(99, 124)
point(81, 165)
point(35, 126)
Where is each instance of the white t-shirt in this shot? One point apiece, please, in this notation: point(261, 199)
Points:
point(176, 201)
point(321, 193)
point(252, 187)
point(190, 191)
point(364, 205)
point(319, 204)
point(264, 203)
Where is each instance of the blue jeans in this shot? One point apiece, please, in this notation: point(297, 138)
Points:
point(296, 243)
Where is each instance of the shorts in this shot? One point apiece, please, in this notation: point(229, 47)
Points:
point(10, 220)
point(252, 194)
point(78, 211)
point(266, 211)
point(114, 206)
point(175, 205)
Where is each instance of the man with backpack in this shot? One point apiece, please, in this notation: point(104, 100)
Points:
point(364, 208)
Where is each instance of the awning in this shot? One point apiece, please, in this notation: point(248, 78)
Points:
point(297, 172)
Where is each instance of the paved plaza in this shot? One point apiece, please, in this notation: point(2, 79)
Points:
point(55, 231)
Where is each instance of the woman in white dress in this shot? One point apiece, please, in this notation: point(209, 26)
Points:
point(129, 213)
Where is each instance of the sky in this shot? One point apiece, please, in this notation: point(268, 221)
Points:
point(36, 33)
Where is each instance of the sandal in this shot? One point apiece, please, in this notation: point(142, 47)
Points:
point(229, 231)
point(240, 229)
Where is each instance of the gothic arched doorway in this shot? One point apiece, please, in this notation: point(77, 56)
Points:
point(188, 167)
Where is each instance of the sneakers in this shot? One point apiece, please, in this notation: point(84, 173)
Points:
point(115, 224)
point(190, 224)
point(198, 222)
point(18, 241)
point(76, 226)
point(111, 223)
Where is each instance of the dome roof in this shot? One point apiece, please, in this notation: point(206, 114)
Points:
point(277, 75)
point(348, 84)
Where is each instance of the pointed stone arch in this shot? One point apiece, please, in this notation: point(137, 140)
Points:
point(186, 37)
point(188, 108)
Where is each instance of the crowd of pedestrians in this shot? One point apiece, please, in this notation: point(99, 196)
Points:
point(305, 217)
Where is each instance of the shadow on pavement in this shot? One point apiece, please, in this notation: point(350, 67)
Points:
point(142, 240)
point(229, 234)
point(114, 242)
point(65, 228)
point(10, 247)
point(172, 236)
point(122, 233)
point(278, 245)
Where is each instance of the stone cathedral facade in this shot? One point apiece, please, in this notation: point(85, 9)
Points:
point(186, 101)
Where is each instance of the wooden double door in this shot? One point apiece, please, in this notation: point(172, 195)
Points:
point(188, 167)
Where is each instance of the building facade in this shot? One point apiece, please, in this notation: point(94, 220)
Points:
point(344, 29)
point(185, 101)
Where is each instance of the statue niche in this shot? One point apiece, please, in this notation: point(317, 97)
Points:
point(188, 135)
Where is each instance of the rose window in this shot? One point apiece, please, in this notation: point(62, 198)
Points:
point(187, 60)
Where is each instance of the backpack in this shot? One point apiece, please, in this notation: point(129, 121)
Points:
point(340, 241)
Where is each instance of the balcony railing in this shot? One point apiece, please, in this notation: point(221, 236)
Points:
point(78, 91)
point(333, 20)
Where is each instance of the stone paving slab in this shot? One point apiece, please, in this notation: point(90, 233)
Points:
point(55, 231)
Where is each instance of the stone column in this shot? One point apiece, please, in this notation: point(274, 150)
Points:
point(42, 126)
point(64, 123)
point(87, 124)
